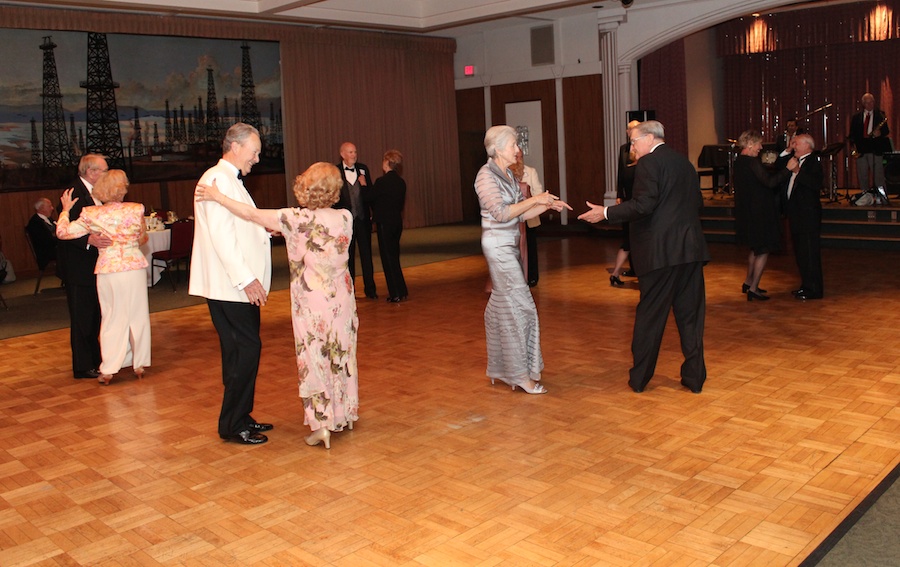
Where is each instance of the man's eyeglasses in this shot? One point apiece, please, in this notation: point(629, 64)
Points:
point(633, 140)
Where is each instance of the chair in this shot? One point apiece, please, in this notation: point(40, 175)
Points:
point(179, 249)
point(41, 271)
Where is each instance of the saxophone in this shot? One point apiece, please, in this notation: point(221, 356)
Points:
point(854, 153)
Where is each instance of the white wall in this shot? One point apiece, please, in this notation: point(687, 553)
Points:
point(503, 56)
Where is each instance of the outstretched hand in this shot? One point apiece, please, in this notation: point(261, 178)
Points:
point(596, 213)
point(67, 201)
point(207, 192)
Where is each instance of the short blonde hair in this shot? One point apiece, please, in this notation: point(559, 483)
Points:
point(748, 138)
point(318, 187)
point(112, 186)
point(394, 160)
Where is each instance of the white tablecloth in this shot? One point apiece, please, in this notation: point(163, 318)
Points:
point(159, 240)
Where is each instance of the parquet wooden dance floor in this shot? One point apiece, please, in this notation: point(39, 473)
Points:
point(798, 421)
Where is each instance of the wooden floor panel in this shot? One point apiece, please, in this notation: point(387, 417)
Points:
point(798, 421)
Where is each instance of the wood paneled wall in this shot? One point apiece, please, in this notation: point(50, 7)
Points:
point(583, 127)
point(585, 166)
point(470, 118)
point(544, 91)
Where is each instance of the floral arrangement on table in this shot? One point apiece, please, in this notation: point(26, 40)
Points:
point(154, 222)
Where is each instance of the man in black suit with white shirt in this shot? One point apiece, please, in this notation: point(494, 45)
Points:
point(668, 252)
point(354, 198)
point(803, 206)
point(77, 259)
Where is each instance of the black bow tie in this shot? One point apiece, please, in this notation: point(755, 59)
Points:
point(240, 175)
point(349, 168)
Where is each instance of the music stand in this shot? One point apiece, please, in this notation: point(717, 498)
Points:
point(830, 151)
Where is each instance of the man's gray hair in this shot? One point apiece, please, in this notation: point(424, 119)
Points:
point(239, 132)
point(652, 127)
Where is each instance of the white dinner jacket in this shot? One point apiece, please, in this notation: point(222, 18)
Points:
point(228, 251)
point(530, 176)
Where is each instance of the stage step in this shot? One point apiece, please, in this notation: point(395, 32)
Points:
point(843, 225)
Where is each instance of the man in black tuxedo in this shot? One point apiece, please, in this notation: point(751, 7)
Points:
point(804, 211)
point(42, 230)
point(668, 251)
point(77, 259)
point(354, 198)
point(868, 132)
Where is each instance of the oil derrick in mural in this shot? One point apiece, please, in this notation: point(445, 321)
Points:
point(213, 124)
point(73, 137)
point(169, 134)
point(103, 133)
point(57, 151)
point(35, 145)
point(199, 119)
point(138, 141)
point(249, 110)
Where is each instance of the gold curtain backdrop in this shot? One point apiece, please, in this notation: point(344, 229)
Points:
point(821, 56)
point(378, 90)
point(829, 25)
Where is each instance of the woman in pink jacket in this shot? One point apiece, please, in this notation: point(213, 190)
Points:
point(121, 274)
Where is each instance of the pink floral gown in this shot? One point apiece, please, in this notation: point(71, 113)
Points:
point(323, 313)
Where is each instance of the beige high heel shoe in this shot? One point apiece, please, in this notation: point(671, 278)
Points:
point(139, 372)
point(104, 379)
point(318, 436)
point(536, 388)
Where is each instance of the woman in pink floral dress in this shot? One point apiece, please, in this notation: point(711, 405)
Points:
point(121, 274)
point(323, 305)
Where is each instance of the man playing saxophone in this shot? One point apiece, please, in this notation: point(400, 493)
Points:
point(868, 132)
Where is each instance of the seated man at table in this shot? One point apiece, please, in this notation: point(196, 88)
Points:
point(42, 230)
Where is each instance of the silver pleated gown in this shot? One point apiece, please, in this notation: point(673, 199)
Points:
point(510, 319)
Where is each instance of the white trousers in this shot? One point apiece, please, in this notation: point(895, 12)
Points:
point(125, 320)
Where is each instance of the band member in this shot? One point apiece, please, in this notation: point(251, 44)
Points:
point(868, 132)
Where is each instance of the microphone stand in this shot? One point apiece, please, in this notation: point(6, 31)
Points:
point(832, 192)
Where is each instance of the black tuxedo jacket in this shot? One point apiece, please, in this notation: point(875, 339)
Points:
point(363, 173)
point(878, 143)
point(76, 258)
point(43, 238)
point(804, 207)
point(388, 197)
point(664, 212)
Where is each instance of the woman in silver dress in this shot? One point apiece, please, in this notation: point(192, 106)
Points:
point(510, 318)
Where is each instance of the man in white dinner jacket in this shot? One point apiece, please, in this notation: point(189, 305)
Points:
point(231, 266)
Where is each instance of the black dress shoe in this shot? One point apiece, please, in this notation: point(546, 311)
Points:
point(247, 437)
point(745, 288)
point(615, 281)
point(87, 374)
point(692, 388)
point(629, 273)
point(393, 300)
point(260, 427)
point(758, 296)
point(532, 283)
point(808, 295)
point(372, 295)
point(636, 390)
point(798, 291)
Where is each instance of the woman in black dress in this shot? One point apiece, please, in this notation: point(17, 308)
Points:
point(388, 198)
point(756, 215)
